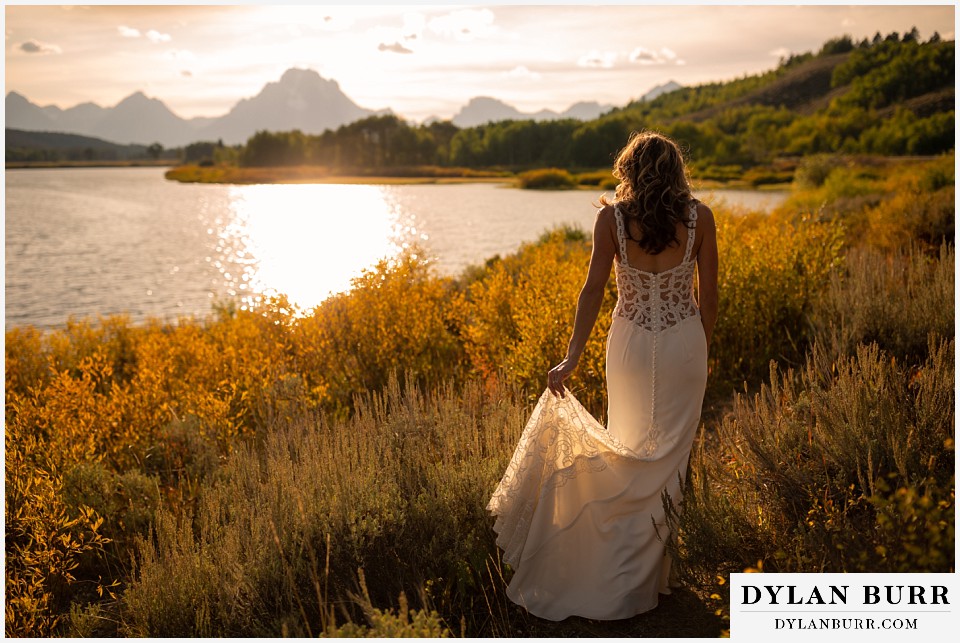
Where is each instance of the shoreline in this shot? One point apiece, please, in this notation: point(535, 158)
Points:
point(298, 174)
point(306, 174)
point(30, 165)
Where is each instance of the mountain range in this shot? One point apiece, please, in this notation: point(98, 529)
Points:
point(301, 99)
point(484, 109)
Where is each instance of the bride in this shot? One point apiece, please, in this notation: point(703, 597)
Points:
point(579, 511)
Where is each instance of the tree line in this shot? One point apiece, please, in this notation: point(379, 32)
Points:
point(897, 100)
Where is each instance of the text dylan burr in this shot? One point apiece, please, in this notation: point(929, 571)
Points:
point(837, 594)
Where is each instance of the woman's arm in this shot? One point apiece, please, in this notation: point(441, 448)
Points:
point(591, 297)
point(707, 268)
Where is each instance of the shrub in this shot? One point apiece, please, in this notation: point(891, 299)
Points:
point(548, 179)
point(46, 542)
point(397, 316)
point(400, 623)
point(519, 316)
point(818, 469)
point(602, 179)
point(813, 170)
point(770, 275)
point(894, 301)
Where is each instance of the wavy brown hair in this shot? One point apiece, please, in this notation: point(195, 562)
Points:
point(653, 192)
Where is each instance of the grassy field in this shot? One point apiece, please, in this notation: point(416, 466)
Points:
point(266, 473)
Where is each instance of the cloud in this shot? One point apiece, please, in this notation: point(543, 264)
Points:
point(155, 36)
point(598, 59)
point(465, 24)
point(396, 39)
point(152, 35)
point(780, 52)
point(37, 47)
point(522, 72)
point(395, 47)
point(644, 56)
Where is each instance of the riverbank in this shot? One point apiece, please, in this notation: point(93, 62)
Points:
point(24, 165)
point(768, 180)
point(324, 175)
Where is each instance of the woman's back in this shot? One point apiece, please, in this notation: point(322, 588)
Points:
point(670, 257)
point(655, 291)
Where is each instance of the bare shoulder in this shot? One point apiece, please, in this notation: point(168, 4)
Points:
point(605, 213)
point(606, 217)
point(606, 221)
point(705, 216)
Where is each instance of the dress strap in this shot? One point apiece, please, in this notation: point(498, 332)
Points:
point(691, 231)
point(621, 234)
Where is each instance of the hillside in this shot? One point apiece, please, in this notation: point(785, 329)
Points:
point(56, 146)
point(804, 89)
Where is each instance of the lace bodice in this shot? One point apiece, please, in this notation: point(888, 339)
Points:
point(656, 300)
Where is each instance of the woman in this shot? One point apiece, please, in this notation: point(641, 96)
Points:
point(580, 509)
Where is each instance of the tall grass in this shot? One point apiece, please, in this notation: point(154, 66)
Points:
point(398, 491)
point(841, 467)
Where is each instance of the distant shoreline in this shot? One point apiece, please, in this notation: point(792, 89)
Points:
point(318, 174)
point(24, 165)
point(224, 174)
point(304, 174)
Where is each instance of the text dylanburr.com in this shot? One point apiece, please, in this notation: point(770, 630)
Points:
point(844, 607)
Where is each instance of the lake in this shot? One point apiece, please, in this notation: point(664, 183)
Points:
point(100, 241)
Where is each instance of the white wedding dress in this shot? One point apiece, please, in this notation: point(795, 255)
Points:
point(579, 511)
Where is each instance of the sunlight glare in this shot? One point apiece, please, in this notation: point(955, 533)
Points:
point(307, 241)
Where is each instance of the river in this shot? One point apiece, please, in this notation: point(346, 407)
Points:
point(102, 241)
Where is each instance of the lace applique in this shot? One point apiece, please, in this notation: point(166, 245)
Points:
point(655, 301)
point(560, 441)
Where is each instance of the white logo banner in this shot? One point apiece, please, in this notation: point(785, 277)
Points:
point(847, 607)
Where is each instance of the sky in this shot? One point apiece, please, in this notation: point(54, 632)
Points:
point(418, 60)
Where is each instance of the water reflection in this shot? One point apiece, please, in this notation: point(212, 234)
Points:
point(305, 241)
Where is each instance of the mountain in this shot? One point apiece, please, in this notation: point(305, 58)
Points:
point(301, 99)
point(23, 114)
point(484, 109)
point(659, 90)
point(138, 119)
point(80, 118)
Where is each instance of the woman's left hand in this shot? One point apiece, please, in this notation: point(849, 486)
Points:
point(558, 374)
